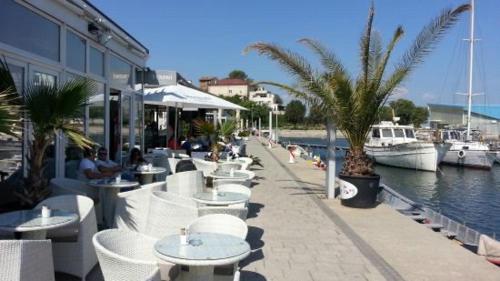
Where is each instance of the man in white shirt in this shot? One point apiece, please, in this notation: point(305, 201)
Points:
point(87, 169)
point(105, 165)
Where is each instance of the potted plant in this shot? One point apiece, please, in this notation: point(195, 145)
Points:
point(352, 103)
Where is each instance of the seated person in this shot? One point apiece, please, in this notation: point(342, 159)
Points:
point(88, 169)
point(105, 165)
point(186, 145)
point(135, 158)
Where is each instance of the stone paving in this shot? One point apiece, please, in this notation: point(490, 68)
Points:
point(291, 237)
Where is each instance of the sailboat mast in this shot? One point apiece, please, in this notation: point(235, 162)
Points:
point(471, 64)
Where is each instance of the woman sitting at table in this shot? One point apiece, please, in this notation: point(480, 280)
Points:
point(135, 158)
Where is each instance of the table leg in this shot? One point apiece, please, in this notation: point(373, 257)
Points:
point(111, 195)
point(201, 273)
point(146, 178)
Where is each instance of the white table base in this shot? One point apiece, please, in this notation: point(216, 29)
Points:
point(200, 273)
point(33, 235)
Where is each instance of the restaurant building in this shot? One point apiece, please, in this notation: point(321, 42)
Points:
point(54, 41)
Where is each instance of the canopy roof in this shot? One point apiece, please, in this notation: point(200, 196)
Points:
point(186, 97)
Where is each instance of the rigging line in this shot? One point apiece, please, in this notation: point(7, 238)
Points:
point(449, 66)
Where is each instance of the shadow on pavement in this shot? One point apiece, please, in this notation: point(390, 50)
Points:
point(254, 210)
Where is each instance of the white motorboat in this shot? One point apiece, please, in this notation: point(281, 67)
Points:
point(396, 145)
point(474, 154)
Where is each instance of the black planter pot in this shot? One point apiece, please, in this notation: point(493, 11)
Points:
point(367, 189)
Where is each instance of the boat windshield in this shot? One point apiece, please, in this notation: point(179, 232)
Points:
point(398, 133)
point(387, 133)
point(375, 133)
point(409, 133)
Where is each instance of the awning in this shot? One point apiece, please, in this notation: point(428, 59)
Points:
point(186, 97)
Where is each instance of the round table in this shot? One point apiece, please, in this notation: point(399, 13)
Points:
point(222, 198)
point(204, 251)
point(108, 193)
point(31, 225)
point(146, 176)
point(227, 175)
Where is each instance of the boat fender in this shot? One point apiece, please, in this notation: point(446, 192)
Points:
point(461, 154)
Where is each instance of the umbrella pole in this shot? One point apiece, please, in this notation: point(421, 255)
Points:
point(176, 121)
point(166, 126)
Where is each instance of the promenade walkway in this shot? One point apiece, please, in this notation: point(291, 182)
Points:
point(294, 239)
point(368, 244)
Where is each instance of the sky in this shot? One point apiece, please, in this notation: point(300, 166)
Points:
point(207, 38)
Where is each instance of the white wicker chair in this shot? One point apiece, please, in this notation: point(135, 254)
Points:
point(63, 186)
point(132, 207)
point(207, 167)
point(26, 260)
point(75, 258)
point(129, 256)
point(172, 162)
point(168, 213)
point(223, 224)
point(227, 166)
point(186, 183)
point(238, 188)
point(245, 182)
point(251, 175)
point(220, 223)
point(247, 161)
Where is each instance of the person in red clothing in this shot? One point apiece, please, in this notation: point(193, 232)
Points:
point(172, 144)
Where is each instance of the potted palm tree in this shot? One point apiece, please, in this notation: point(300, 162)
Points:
point(352, 103)
point(49, 110)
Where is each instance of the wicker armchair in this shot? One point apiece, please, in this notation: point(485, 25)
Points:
point(129, 256)
point(245, 182)
point(132, 207)
point(227, 166)
point(26, 260)
point(186, 183)
point(207, 167)
point(75, 258)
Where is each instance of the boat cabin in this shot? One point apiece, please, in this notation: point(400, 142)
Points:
point(387, 133)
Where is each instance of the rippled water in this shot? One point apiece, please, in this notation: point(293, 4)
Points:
point(467, 195)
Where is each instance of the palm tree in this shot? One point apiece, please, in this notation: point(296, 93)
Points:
point(353, 103)
point(51, 109)
point(10, 104)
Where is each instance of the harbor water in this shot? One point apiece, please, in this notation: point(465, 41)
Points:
point(469, 196)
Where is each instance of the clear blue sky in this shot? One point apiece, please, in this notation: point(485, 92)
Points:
point(206, 37)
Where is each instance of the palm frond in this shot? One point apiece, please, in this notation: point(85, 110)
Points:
point(365, 45)
point(327, 58)
point(423, 44)
point(382, 64)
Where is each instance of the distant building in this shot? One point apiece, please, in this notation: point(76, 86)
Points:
point(265, 97)
point(485, 118)
point(225, 87)
point(207, 81)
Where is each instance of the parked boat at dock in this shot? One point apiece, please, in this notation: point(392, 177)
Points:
point(474, 154)
point(396, 145)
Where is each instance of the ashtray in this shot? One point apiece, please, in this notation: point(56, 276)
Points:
point(221, 194)
point(195, 242)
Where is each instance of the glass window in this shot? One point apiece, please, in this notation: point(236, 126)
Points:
point(138, 120)
point(398, 133)
point(125, 128)
point(11, 149)
point(120, 72)
point(28, 31)
point(96, 115)
point(387, 133)
point(375, 133)
point(44, 78)
point(409, 133)
point(75, 52)
point(96, 62)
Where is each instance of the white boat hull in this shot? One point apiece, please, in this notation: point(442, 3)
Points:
point(414, 155)
point(472, 158)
